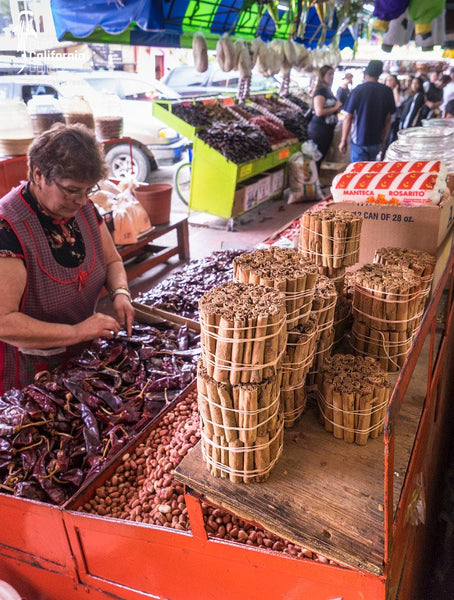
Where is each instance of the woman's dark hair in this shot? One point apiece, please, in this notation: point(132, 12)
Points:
point(396, 80)
point(321, 74)
point(420, 82)
point(67, 152)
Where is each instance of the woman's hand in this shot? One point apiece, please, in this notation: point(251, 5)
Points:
point(124, 311)
point(98, 325)
point(337, 106)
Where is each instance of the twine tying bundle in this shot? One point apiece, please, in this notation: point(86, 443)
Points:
point(353, 397)
point(330, 237)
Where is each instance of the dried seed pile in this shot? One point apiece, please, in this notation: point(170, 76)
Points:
point(223, 525)
point(142, 488)
point(353, 397)
point(387, 311)
point(243, 337)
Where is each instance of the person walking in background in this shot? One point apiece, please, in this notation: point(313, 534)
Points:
point(343, 91)
point(411, 110)
point(368, 114)
point(393, 82)
point(325, 107)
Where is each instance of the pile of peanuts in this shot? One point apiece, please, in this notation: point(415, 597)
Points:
point(142, 488)
point(226, 526)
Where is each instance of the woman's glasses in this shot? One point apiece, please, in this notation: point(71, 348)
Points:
point(73, 194)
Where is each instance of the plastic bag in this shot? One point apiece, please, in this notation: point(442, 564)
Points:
point(124, 230)
point(136, 211)
point(303, 176)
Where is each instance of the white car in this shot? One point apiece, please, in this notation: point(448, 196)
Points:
point(152, 141)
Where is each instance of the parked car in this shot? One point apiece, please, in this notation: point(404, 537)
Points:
point(153, 142)
point(188, 82)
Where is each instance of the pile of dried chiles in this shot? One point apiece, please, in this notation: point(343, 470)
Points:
point(202, 115)
point(181, 292)
point(58, 431)
point(237, 142)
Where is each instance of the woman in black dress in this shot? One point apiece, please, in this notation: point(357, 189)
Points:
point(325, 107)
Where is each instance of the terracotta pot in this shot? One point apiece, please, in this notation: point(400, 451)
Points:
point(156, 199)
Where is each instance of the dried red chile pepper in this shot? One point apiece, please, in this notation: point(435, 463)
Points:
point(181, 292)
point(57, 432)
point(238, 142)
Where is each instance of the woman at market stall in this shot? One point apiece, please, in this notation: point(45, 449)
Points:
point(56, 254)
point(325, 107)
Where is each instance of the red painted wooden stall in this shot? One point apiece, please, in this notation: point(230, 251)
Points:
point(52, 553)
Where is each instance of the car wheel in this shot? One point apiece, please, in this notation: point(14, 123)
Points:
point(119, 160)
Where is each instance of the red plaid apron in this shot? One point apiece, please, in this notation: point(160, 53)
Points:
point(53, 293)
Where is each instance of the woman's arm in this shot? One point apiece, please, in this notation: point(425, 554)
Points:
point(21, 330)
point(319, 106)
point(117, 281)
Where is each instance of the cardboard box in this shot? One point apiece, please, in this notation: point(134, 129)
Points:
point(277, 180)
point(418, 227)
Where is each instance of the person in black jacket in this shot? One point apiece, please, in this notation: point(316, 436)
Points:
point(411, 111)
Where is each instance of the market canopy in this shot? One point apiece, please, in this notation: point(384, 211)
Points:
point(172, 23)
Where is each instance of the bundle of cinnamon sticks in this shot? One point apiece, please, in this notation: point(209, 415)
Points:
point(243, 339)
point(298, 359)
point(420, 262)
point(285, 270)
point(330, 237)
point(386, 312)
point(243, 332)
point(242, 427)
point(295, 276)
point(353, 397)
point(323, 307)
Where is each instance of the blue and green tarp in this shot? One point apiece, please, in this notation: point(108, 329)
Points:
point(172, 23)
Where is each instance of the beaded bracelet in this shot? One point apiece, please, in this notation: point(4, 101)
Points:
point(121, 289)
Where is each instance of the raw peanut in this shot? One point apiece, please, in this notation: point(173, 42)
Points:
point(242, 535)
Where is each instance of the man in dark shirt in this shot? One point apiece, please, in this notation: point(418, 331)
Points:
point(368, 113)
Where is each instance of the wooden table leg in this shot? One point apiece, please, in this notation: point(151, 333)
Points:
point(183, 240)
